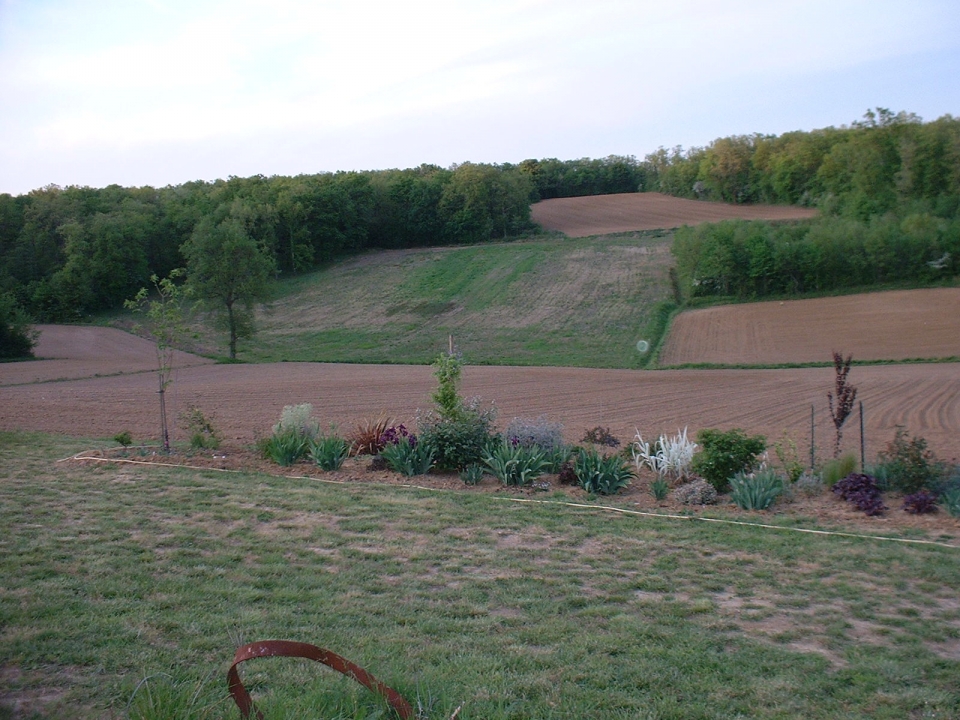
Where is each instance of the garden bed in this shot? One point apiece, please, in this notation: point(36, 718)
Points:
point(820, 511)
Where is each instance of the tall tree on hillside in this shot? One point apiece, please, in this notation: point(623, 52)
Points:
point(229, 271)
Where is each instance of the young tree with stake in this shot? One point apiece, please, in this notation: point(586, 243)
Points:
point(844, 394)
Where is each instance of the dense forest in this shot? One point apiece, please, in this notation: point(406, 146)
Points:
point(888, 188)
point(68, 252)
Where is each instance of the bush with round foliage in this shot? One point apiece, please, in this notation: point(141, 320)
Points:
point(723, 454)
point(17, 337)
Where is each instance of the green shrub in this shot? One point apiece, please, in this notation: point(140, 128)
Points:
point(599, 474)
point(514, 464)
point(724, 454)
point(837, 469)
point(789, 457)
point(460, 441)
point(757, 491)
point(697, 492)
point(457, 430)
point(123, 438)
point(17, 337)
point(328, 452)
point(908, 465)
point(408, 456)
point(200, 428)
point(808, 484)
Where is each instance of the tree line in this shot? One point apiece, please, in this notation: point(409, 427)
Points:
point(888, 190)
point(885, 162)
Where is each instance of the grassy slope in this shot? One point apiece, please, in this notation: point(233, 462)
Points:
point(549, 301)
point(115, 573)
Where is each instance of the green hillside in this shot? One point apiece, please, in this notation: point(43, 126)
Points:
point(553, 301)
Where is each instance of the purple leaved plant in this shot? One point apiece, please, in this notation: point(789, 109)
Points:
point(862, 491)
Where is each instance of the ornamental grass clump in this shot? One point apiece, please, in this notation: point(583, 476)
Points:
point(291, 436)
point(669, 457)
point(514, 464)
point(329, 452)
point(366, 438)
point(599, 474)
point(862, 491)
point(756, 491)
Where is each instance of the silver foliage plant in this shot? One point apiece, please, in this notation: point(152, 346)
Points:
point(669, 457)
point(298, 420)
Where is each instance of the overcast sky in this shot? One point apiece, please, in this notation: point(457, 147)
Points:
point(160, 92)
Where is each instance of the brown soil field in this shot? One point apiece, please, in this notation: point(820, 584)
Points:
point(894, 325)
point(246, 400)
point(601, 215)
point(66, 352)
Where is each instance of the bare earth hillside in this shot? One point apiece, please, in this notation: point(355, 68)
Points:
point(599, 215)
point(894, 325)
point(245, 400)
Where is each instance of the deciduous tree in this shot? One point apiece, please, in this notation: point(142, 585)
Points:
point(229, 271)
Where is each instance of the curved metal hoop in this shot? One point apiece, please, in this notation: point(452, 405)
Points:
point(289, 648)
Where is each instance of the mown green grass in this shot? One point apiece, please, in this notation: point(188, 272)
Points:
point(126, 586)
point(553, 301)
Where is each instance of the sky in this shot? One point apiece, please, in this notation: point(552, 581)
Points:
point(162, 92)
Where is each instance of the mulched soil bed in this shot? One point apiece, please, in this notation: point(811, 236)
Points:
point(823, 511)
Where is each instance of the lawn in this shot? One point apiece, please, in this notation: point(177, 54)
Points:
point(126, 589)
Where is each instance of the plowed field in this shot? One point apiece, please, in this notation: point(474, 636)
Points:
point(245, 400)
point(585, 216)
point(893, 325)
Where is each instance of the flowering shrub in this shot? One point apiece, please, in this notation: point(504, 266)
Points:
point(670, 457)
point(394, 434)
point(862, 491)
point(408, 458)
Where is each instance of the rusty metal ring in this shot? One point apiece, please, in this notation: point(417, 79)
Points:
point(289, 648)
